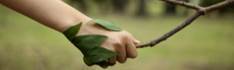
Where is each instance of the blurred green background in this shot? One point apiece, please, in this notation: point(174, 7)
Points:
point(208, 44)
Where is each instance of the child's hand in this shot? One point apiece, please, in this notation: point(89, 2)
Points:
point(118, 41)
point(121, 42)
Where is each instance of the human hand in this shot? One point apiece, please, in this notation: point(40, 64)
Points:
point(114, 40)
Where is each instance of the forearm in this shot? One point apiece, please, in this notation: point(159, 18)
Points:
point(53, 13)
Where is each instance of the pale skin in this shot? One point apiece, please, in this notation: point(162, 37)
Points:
point(59, 16)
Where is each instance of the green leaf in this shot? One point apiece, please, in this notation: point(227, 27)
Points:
point(107, 25)
point(90, 46)
point(72, 31)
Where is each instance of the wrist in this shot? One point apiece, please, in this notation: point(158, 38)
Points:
point(72, 22)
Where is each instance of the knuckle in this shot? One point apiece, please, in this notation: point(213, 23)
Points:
point(121, 57)
point(117, 43)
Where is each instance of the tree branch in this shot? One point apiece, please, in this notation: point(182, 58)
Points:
point(219, 5)
point(173, 31)
point(182, 3)
point(188, 21)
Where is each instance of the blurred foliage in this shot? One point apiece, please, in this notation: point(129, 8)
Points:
point(79, 4)
point(171, 9)
point(141, 7)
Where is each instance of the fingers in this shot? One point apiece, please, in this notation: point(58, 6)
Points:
point(132, 38)
point(128, 50)
point(136, 42)
point(131, 50)
point(123, 43)
point(121, 53)
point(108, 45)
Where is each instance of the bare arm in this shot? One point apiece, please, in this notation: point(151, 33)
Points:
point(53, 13)
point(58, 15)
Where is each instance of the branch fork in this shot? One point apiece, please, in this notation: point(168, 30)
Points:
point(199, 12)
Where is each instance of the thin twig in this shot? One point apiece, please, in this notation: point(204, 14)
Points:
point(188, 21)
point(173, 31)
point(219, 5)
point(182, 3)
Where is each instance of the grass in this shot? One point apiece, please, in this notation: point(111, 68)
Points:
point(207, 44)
